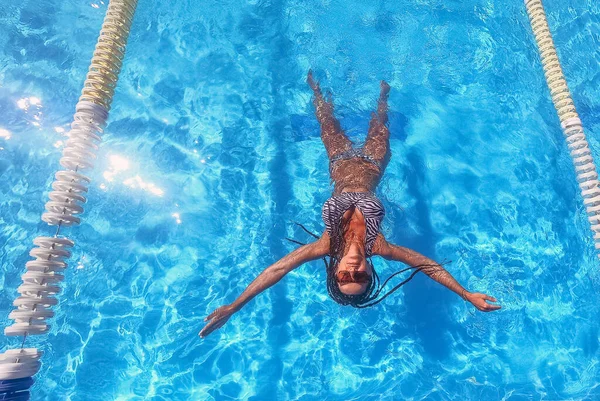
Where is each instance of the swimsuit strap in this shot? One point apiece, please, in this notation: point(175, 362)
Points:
point(350, 154)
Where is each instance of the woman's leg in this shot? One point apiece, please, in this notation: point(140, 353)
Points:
point(333, 137)
point(377, 144)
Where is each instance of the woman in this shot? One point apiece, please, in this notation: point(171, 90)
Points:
point(352, 218)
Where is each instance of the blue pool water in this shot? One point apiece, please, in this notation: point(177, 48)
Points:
point(213, 149)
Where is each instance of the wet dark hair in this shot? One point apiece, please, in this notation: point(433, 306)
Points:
point(369, 296)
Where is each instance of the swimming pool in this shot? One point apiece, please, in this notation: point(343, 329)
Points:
point(212, 150)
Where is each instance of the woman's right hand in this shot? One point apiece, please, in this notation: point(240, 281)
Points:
point(217, 319)
point(479, 301)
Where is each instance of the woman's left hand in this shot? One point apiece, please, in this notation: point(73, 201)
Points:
point(217, 319)
point(479, 301)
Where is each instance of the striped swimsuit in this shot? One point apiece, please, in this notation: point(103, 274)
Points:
point(368, 204)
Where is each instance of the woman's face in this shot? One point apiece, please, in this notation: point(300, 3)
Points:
point(354, 260)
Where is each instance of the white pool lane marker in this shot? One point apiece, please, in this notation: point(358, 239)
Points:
point(585, 168)
point(43, 276)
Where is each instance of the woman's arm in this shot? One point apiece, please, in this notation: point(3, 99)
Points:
point(266, 279)
point(434, 270)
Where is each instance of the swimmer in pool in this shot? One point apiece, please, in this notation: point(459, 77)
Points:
point(352, 218)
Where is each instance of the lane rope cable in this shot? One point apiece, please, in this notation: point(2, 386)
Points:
point(43, 276)
point(585, 168)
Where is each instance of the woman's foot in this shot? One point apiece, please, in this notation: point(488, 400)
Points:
point(314, 85)
point(382, 105)
point(385, 89)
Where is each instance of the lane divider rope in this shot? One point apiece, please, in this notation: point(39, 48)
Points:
point(585, 168)
point(43, 276)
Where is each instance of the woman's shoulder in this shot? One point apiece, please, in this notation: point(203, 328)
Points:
point(380, 246)
point(321, 245)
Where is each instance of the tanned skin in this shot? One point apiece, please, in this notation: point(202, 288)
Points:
point(352, 175)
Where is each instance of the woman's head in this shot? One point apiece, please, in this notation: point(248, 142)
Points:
point(357, 292)
point(350, 287)
point(353, 273)
point(351, 277)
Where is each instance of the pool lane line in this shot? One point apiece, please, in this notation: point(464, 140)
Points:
point(585, 168)
point(40, 282)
